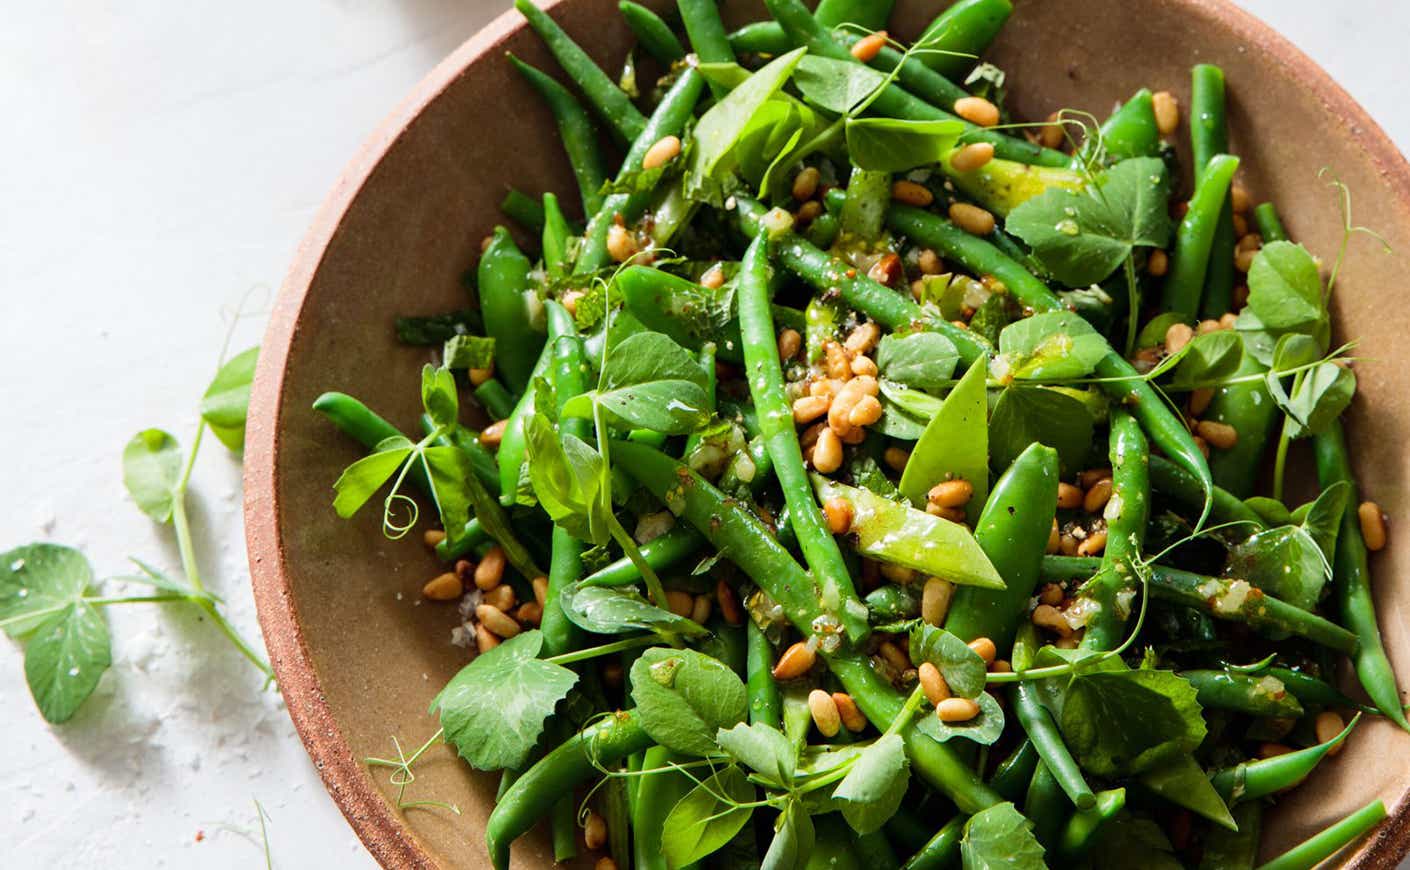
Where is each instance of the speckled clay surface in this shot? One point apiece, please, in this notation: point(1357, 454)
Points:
point(359, 658)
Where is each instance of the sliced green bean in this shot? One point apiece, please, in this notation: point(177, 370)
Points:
point(577, 132)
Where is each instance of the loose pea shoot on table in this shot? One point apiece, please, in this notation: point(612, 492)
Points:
point(884, 453)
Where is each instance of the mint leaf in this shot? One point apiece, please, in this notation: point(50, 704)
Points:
point(962, 667)
point(1000, 837)
point(1051, 345)
point(494, 709)
point(892, 145)
point(65, 658)
point(617, 610)
point(151, 471)
point(924, 360)
point(226, 402)
point(873, 789)
point(707, 817)
point(37, 581)
point(762, 748)
point(683, 698)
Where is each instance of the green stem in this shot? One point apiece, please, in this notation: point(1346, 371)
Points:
point(179, 520)
point(908, 712)
point(135, 599)
point(604, 649)
point(234, 636)
point(1133, 306)
point(654, 588)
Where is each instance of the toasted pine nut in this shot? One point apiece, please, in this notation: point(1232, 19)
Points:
point(1220, 435)
point(1000, 666)
point(808, 212)
point(827, 453)
point(1054, 540)
point(789, 342)
point(1373, 525)
point(953, 514)
point(1199, 400)
point(839, 515)
point(620, 243)
point(972, 156)
point(985, 647)
point(1086, 479)
point(893, 655)
point(935, 600)
point(809, 408)
point(1205, 327)
point(432, 537)
point(846, 399)
point(1093, 544)
point(796, 661)
point(1240, 225)
point(1097, 497)
point(491, 569)
point(838, 366)
point(896, 458)
point(661, 153)
point(977, 110)
point(866, 412)
point(730, 609)
point(1051, 134)
point(911, 193)
point(1049, 617)
point(1239, 198)
point(971, 218)
point(1069, 496)
point(678, 602)
point(809, 439)
point(1051, 594)
point(479, 376)
point(713, 277)
point(700, 609)
point(1228, 320)
point(491, 435)
point(957, 710)
point(852, 718)
point(1329, 724)
point(868, 47)
point(1202, 446)
point(930, 262)
point(496, 620)
point(897, 573)
point(1067, 544)
point(502, 596)
point(1177, 336)
point(1158, 263)
point(932, 682)
point(805, 183)
point(824, 712)
point(595, 831)
point(825, 387)
point(863, 365)
point(1273, 750)
point(605, 863)
point(465, 570)
point(570, 300)
point(1243, 259)
point(1167, 112)
point(887, 270)
point(485, 639)
point(443, 587)
point(529, 613)
point(863, 338)
point(951, 493)
point(540, 585)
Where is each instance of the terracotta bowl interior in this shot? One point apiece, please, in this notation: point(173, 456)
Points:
point(359, 657)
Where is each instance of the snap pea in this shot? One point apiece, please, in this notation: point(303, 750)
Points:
point(1250, 409)
point(503, 280)
point(565, 566)
point(1243, 693)
point(1131, 131)
point(1209, 136)
point(602, 93)
point(1003, 185)
point(1046, 806)
point(1189, 264)
point(575, 130)
point(1083, 826)
point(654, 34)
point(1351, 581)
point(677, 544)
point(864, 210)
point(495, 399)
point(706, 32)
point(1264, 777)
point(1321, 846)
point(965, 28)
point(942, 850)
point(1120, 381)
point(892, 602)
point(657, 795)
point(524, 210)
point(365, 426)
point(1126, 513)
point(869, 14)
point(1270, 227)
point(510, 453)
point(556, 236)
point(765, 703)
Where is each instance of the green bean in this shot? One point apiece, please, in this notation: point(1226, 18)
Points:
point(1045, 805)
point(1310, 690)
point(510, 453)
point(1084, 826)
point(481, 461)
point(495, 399)
point(868, 14)
point(823, 230)
point(864, 212)
point(907, 829)
point(556, 236)
point(1351, 580)
point(765, 703)
point(472, 539)
point(366, 427)
point(504, 280)
point(1189, 264)
point(524, 210)
point(577, 132)
point(1042, 731)
point(1126, 514)
point(965, 28)
point(1264, 777)
point(680, 542)
point(1270, 227)
point(602, 93)
point(914, 75)
point(765, 378)
point(566, 565)
point(1120, 381)
point(1321, 846)
point(874, 851)
point(1131, 131)
point(1181, 487)
point(1221, 597)
point(1250, 410)
point(657, 794)
point(1011, 777)
point(654, 34)
point(706, 32)
point(669, 119)
point(1209, 136)
point(760, 37)
point(1243, 693)
point(942, 850)
point(1234, 850)
point(892, 602)
point(1013, 531)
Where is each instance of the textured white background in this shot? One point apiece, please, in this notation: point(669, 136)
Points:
point(159, 163)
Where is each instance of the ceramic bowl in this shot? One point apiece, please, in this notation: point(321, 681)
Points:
point(359, 657)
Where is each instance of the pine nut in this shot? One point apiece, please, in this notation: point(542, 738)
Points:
point(1239, 198)
point(465, 570)
point(824, 712)
point(977, 110)
point(1220, 435)
point(485, 639)
point(932, 682)
point(894, 656)
point(827, 453)
point(1049, 617)
point(1228, 320)
point(866, 412)
point(887, 270)
point(838, 366)
point(825, 387)
point(1051, 134)
point(863, 365)
point(605, 863)
point(730, 608)
point(1051, 594)
point(1093, 544)
point(971, 218)
point(620, 244)
point(911, 193)
point(1240, 225)
point(809, 439)
point(1243, 260)
point(1054, 540)
point(432, 537)
point(985, 647)
point(1273, 750)
point(1373, 525)
point(1069, 496)
point(1199, 400)
point(953, 514)
point(1000, 666)
point(1327, 725)
point(852, 718)
point(540, 585)
point(713, 278)
point(595, 831)
point(1087, 479)
point(529, 613)
point(570, 300)
point(935, 600)
point(957, 710)
point(868, 47)
point(678, 602)
point(808, 212)
point(972, 156)
point(789, 343)
point(1167, 112)
point(951, 493)
point(700, 610)
point(1177, 336)
point(479, 376)
point(805, 183)
point(492, 434)
point(930, 262)
point(496, 620)
point(796, 661)
point(1067, 544)
point(839, 515)
point(491, 569)
point(1205, 327)
point(1158, 263)
point(1097, 497)
point(502, 597)
point(846, 399)
point(896, 458)
point(809, 408)
point(897, 573)
point(863, 338)
point(443, 587)
point(663, 152)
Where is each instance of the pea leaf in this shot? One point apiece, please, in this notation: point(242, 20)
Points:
point(1000, 838)
point(1285, 287)
point(762, 748)
point(1051, 345)
point(438, 395)
point(617, 610)
point(835, 85)
point(1184, 783)
point(570, 480)
point(363, 478)
point(1316, 400)
point(650, 356)
point(955, 444)
point(1081, 237)
point(151, 471)
point(924, 360)
point(992, 315)
point(226, 402)
point(469, 352)
point(794, 839)
point(449, 471)
point(983, 729)
point(904, 411)
point(1293, 562)
point(707, 818)
point(962, 667)
point(494, 709)
point(873, 789)
point(892, 145)
point(1208, 359)
point(1023, 415)
point(37, 581)
point(65, 658)
point(1120, 722)
point(649, 382)
point(683, 698)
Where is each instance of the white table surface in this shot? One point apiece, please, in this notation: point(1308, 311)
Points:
point(159, 164)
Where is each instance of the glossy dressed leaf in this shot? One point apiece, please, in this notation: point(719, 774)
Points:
point(1000, 838)
point(361, 480)
point(1049, 346)
point(1122, 721)
point(669, 407)
point(1322, 520)
point(904, 412)
point(650, 356)
point(37, 581)
point(1270, 510)
point(65, 658)
point(1284, 562)
point(763, 749)
point(894, 145)
point(901, 535)
point(873, 789)
point(494, 709)
point(983, 729)
point(569, 480)
point(1208, 359)
point(992, 315)
point(924, 360)
point(151, 471)
point(1316, 400)
point(1285, 287)
point(962, 667)
point(449, 471)
point(683, 698)
point(438, 395)
point(701, 822)
point(836, 85)
point(1260, 341)
point(1024, 415)
point(955, 444)
point(618, 610)
point(794, 839)
point(226, 402)
point(469, 352)
point(1081, 237)
point(1184, 783)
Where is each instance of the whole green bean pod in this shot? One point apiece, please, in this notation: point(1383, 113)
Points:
point(1351, 581)
point(1082, 828)
point(654, 34)
point(1249, 408)
point(706, 32)
point(657, 795)
point(765, 703)
point(503, 276)
point(1042, 731)
point(565, 566)
point(1126, 513)
point(965, 28)
point(1243, 693)
point(1120, 381)
point(869, 14)
point(1310, 690)
point(1270, 227)
point(1210, 136)
point(1321, 846)
point(1183, 488)
point(765, 378)
point(1264, 777)
point(1011, 777)
point(680, 542)
point(760, 37)
point(524, 210)
point(366, 427)
point(942, 850)
point(1013, 532)
point(495, 399)
point(1234, 850)
point(1189, 265)
point(609, 101)
point(575, 129)
point(1131, 130)
point(676, 108)
point(1046, 806)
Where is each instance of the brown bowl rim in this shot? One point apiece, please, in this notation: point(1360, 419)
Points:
point(347, 780)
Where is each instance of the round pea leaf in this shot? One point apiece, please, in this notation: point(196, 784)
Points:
point(683, 698)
